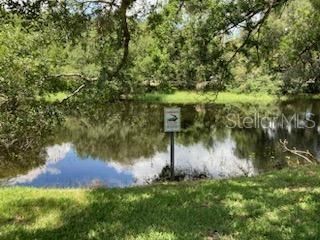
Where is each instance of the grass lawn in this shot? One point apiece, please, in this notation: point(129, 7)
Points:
point(55, 97)
point(277, 205)
point(188, 97)
point(192, 97)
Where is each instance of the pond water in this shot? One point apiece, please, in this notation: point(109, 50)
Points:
point(123, 144)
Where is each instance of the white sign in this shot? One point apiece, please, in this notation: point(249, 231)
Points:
point(172, 119)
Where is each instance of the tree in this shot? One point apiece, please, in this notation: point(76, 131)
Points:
point(190, 42)
point(291, 47)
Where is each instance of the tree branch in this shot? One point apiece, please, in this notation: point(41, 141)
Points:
point(74, 93)
point(126, 37)
point(257, 26)
point(76, 75)
point(109, 3)
point(306, 155)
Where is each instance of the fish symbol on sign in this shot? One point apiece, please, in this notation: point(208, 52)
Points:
point(173, 118)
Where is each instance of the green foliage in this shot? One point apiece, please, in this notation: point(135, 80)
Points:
point(254, 80)
point(23, 127)
point(22, 65)
point(290, 46)
point(178, 45)
point(23, 70)
point(179, 49)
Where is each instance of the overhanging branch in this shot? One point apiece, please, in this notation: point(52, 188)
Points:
point(257, 26)
point(126, 37)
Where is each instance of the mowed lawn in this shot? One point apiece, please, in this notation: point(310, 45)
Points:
point(277, 205)
point(193, 97)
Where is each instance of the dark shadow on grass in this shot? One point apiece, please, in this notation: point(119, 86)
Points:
point(272, 207)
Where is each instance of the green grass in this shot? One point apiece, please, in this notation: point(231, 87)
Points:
point(192, 97)
point(277, 205)
point(55, 97)
point(189, 97)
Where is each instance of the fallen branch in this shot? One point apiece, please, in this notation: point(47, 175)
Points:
point(306, 155)
point(74, 93)
point(76, 75)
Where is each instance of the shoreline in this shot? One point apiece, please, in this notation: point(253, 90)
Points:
point(193, 97)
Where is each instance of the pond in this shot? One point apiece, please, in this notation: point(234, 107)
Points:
point(124, 144)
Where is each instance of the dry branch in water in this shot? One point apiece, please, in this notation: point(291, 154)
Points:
point(74, 93)
point(306, 155)
point(76, 75)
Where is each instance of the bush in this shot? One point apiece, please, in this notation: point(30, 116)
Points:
point(255, 81)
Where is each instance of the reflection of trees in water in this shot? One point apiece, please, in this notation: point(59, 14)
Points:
point(16, 166)
point(126, 132)
point(201, 124)
point(255, 144)
point(121, 132)
point(262, 145)
point(20, 160)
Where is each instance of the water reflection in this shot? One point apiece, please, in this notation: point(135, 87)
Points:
point(65, 168)
point(218, 162)
point(123, 144)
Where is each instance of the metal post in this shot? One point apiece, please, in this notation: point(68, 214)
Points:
point(172, 155)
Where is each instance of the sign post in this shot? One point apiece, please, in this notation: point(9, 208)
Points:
point(172, 124)
point(172, 155)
